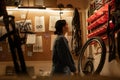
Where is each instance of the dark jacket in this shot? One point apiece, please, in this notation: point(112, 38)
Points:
point(61, 56)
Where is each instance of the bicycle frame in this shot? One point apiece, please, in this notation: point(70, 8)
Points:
point(14, 41)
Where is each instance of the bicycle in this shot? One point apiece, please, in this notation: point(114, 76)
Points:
point(93, 53)
point(14, 40)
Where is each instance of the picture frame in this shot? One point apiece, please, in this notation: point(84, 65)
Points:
point(10, 2)
point(38, 2)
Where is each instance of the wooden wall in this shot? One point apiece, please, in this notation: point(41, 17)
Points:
point(5, 54)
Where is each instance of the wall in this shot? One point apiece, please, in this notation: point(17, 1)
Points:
point(40, 60)
point(46, 36)
point(43, 60)
point(81, 4)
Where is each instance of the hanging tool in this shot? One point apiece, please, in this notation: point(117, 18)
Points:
point(76, 33)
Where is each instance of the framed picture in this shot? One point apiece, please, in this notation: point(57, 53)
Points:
point(26, 27)
point(52, 22)
point(39, 24)
point(38, 2)
point(38, 46)
point(10, 2)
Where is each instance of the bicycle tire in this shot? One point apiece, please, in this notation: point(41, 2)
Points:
point(102, 59)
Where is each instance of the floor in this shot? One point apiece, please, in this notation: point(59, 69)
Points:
point(58, 78)
point(111, 71)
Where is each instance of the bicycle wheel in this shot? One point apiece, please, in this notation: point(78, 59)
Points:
point(92, 56)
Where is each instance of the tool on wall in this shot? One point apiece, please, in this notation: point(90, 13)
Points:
point(116, 20)
point(76, 43)
point(60, 6)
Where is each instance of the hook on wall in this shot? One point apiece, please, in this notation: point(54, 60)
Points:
point(60, 6)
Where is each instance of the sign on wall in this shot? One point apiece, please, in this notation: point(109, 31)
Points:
point(24, 25)
point(37, 47)
point(31, 38)
point(52, 22)
point(38, 2)
point(39, 24)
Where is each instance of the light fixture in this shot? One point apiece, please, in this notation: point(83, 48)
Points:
point(31, 7)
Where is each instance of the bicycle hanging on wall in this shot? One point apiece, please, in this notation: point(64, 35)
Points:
point(15, 41)
point(102, 27)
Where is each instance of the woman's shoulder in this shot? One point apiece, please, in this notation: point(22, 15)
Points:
point(60, 37)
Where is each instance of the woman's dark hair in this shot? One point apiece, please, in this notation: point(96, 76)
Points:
point(59, 26)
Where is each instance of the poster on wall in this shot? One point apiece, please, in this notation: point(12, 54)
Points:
point(39, 24)
point(53, 37)
point(24, 25)
point(10, 2)
point(37, 47)
point(31, 38)
point(38, 2)
point(52, 22)
point(69, 21)
point(3, 31)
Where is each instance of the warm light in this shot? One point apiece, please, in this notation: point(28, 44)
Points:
point(58, 10)
point(24, 9)
point(39, 9)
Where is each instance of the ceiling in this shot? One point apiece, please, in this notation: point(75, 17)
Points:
point(81, 4)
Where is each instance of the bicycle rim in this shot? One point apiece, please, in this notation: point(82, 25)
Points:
point(92, 56)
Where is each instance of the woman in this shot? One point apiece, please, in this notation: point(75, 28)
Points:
point(62, 59)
